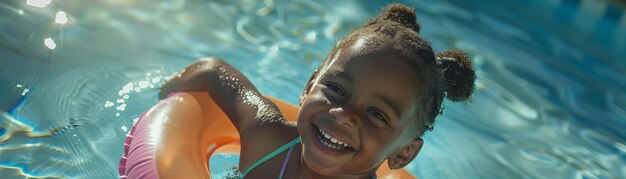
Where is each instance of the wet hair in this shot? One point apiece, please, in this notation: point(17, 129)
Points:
point(447, 74)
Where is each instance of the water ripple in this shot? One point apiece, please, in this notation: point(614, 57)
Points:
point(549, 102)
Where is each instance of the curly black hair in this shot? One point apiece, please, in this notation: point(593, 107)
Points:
point(447, 74)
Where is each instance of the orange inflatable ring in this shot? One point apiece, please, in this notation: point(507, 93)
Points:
point(181, 133)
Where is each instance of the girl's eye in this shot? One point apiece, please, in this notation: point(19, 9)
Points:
point(377, 114)
point(335, 88)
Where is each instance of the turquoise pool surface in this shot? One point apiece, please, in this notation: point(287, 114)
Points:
point(550, 99)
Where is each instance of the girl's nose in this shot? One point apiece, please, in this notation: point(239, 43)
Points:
point(344, 116)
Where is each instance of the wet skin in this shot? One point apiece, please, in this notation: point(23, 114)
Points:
point(365, 100)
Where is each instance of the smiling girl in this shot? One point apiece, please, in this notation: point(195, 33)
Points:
point(378, 91)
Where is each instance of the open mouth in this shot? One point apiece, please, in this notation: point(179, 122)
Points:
point(329, 144)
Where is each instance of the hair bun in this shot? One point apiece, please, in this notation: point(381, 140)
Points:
point(401, 14)
point(459, 74)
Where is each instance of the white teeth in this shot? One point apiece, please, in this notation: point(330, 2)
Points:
point(327, 136)
point(333, 140)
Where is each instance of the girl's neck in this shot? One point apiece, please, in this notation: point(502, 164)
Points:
point(304, 172)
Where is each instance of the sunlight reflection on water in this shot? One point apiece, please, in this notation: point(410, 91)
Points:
point(76, 76)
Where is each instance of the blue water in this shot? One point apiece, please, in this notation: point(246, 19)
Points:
point(550, 99)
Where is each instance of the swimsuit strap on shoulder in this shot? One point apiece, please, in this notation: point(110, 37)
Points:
point(282, 168)
point(269, 156)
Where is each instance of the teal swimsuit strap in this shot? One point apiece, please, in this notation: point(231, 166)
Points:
point(269, 156)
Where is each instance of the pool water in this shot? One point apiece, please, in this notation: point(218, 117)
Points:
point(550, 99)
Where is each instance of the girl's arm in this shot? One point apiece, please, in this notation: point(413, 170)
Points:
point(228, 87)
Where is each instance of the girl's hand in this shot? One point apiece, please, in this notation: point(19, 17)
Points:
point(190, 78)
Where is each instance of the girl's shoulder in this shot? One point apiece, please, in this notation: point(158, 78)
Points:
point(269, 124)
point(269, 131)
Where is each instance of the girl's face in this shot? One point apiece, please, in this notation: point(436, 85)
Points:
point(363, 103)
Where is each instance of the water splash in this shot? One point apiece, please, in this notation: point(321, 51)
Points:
point(50, 43)
point(60, 18)
point(38, 3)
